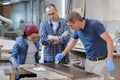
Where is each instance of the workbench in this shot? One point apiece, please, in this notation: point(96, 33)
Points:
point(52, 73)
point(80, 52)
point(6, 45)
point(5, 49)
point(116, 72)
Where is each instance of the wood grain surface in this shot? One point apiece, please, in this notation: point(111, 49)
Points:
point(66, 70)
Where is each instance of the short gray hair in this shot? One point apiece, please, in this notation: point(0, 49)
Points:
point(51, 5)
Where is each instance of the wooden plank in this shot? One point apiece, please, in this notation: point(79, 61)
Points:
point(47, 74)
point(7, 51)
point(8, 71)
point(67, 71)
point(11, 73)
point(32, 79)
point(60, 69)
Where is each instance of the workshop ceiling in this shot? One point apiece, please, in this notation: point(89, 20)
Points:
point(7, 2)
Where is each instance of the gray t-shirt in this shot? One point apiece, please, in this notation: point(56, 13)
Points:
point(55, 25)
point(30, 59)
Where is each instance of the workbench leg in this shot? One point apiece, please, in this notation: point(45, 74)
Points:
point(0, 54)
point(12, 77)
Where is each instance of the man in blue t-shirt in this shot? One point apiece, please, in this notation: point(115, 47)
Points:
point(97, 42)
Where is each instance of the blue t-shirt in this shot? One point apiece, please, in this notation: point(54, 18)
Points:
point(94, 45)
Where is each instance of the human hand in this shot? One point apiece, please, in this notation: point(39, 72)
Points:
point(65, 33)
point(14, 66)
point(59, 57)
point(110, 65)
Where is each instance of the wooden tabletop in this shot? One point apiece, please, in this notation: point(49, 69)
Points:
point(52, 72)
point(70, 72)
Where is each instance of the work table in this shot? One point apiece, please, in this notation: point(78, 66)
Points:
point(53, 72)
point(80, 52)
point(81, 49)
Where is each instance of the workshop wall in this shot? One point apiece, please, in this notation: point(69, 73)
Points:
point(106, 11)
point(103, 9)
point(22, 11)
point(17, 13)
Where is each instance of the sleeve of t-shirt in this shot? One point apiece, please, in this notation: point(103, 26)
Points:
point(99, 28)
point(74, 35)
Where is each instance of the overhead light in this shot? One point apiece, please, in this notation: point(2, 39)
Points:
point(6, 3)
point(63, 8)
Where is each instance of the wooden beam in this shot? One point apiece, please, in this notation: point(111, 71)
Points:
point(11, 73)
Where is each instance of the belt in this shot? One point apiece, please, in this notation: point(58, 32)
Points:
point(97, 59)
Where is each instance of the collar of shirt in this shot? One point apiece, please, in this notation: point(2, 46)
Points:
point(50, 22)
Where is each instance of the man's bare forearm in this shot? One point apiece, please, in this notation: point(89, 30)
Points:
point(70, 45)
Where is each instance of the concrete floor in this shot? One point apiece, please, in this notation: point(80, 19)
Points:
point(2, 67)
